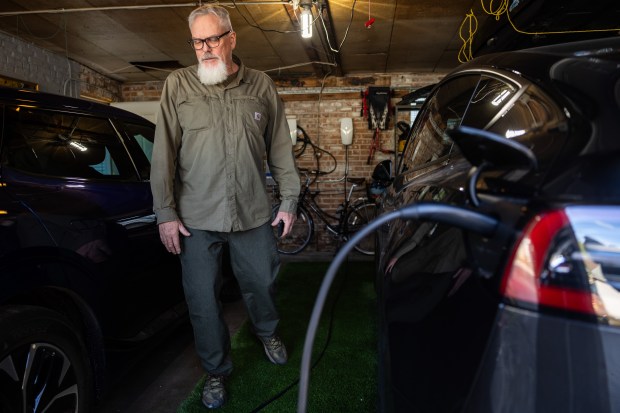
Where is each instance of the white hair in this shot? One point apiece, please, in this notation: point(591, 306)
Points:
point(218, 11)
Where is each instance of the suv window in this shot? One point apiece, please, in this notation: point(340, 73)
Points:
point(443, 110)
point(479, 101)
point(528, 114)
point(488, 103)
point(139, 138)
point(63, 144)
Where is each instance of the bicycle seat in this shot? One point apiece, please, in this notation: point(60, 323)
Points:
point(357, 181)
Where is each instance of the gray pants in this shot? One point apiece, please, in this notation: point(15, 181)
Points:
point(255, 262)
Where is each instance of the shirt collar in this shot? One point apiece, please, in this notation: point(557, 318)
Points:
point(240, 73)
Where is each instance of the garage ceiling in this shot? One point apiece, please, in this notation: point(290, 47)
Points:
point(142, 40)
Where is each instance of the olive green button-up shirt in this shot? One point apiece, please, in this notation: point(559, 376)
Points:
point(210, 145)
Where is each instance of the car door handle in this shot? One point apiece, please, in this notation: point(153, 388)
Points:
point(135, 222)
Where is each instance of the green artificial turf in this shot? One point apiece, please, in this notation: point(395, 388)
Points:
point(343, 378)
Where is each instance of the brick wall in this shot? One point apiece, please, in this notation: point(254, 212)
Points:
point(51, 72)
point(95, 86)
point(141, 92)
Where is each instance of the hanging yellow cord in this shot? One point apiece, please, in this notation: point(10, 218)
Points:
point(558, 32)
point(465, 52)
point(496, 10)
point(503, 7)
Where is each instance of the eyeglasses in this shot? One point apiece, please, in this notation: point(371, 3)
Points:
point(212, 42)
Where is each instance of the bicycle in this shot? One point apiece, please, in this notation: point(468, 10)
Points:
point(350, 217)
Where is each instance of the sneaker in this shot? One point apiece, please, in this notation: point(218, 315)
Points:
point(275, 350)
point(213, 392)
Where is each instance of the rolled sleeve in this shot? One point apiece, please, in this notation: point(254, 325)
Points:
point(281, 159)
point(163, 162)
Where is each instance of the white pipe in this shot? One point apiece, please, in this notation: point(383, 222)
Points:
point(146, 6)
point(300, 64)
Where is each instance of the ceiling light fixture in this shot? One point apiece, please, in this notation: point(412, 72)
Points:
point(306, 21)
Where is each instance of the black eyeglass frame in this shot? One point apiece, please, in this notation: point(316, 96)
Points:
point(208, 41)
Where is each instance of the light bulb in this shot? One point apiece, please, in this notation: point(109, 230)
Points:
point(306, 22)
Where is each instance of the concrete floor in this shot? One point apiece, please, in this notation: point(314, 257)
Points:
point(163, 379)
point(160, 381)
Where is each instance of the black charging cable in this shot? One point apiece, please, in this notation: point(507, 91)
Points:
point(318, 359)
point(447, 214)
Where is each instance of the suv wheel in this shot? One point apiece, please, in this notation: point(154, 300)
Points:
point(43, 363)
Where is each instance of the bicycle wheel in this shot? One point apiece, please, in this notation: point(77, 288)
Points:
point(360, 215)
point(300, 235)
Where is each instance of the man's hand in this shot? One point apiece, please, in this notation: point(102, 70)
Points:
point(169, 235)
point(288, 219)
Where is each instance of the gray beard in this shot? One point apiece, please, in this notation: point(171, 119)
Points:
point(212, 76)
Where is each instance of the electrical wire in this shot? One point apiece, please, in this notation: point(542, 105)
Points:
point(317, 151)
point(504, 9)
point(318, 109)
point(558, 32)
point(345, 33)
point(256, 26)
point(51, 36)
point(68, 82)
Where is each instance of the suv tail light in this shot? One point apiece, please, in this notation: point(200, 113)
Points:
point(568, 259)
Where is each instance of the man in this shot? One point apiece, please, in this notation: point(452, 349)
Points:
point(217, 122)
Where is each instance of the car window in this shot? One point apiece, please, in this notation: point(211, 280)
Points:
point(139, 138)
point(443, 110)
point(489, 102)
point(484, 102)
point(64, 145)
point(532, 111)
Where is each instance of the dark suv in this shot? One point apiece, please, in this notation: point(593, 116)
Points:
point(499, 276)
point(83, 273)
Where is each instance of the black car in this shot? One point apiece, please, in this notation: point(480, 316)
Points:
point(83, 274)
point(499, 289)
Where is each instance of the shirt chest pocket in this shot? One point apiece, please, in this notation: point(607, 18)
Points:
point(253, 114)
point(197, 113)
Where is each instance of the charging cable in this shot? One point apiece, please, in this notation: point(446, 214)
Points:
point(447, 214)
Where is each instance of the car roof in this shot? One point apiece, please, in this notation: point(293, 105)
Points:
point(535, 62)
point(586, 74)
point(66, 103)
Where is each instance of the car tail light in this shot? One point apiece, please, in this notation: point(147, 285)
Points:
point(568, 260)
